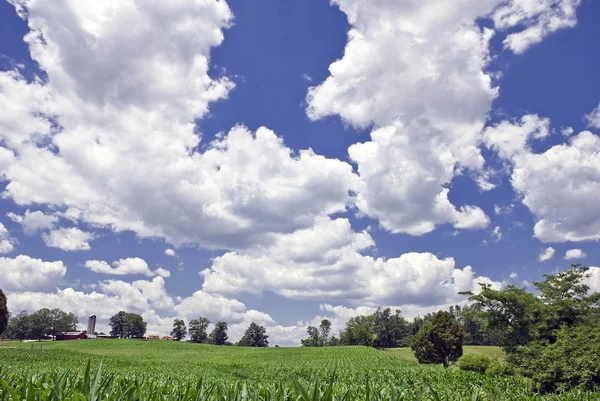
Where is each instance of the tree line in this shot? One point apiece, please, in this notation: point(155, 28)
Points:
point(36, 326)
point(389, 329)
point(254, 336)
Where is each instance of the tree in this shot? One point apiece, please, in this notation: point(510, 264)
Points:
point(569, 298)
point(522, 318)
point(325, 328)
point(313, 337)
point(18, 326)
point(219, 334)
point(61, 321)
point(40, 324)
point(333, 342)
point(389, 329)
point(179, 330)
point(3, 313)
point(255, 336)
point(127, 325)
point(117, 324)
point(440, 340)
point(135, 326)
point(197, 330)
point(358, 331)
point(573, 360)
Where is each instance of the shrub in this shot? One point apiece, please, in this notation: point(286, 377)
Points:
point(573, 361)
point(499, 368)
point(475, 363)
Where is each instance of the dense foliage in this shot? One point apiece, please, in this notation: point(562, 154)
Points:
point(475, 363)
point(219, 334)
point(573, 360)
point(254, 336)
point(550, 336)
point(439, 340)
point(198, 330)
point(127, 325)
point(41, 324)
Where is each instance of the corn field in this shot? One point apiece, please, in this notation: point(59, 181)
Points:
point(118, 371)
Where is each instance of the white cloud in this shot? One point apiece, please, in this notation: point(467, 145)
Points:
point(7, 243)
point(546, 254)
point(327, 262)
point(497, 234)
point(124, 156)
point(427, 128)
point(170, 252)
point(162, 272)
point(559, 186)
point(513, 275)
point(539, 18)
point(68, 239)
point(417, 72)
point(24, 273)
point(150, 299)
point(124, 267)
point(593, 117)
point(568, 131)
point(35, 221)
point(575, 254)
point(593, 280)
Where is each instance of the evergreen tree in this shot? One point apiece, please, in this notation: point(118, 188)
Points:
point(219, 334)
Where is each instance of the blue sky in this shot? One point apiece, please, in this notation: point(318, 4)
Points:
point(435, 146)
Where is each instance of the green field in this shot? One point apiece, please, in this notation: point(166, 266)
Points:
point(145, 370)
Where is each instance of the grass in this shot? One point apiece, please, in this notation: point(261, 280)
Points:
point(407, 354)
point(158, 370)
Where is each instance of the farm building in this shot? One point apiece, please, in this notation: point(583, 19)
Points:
point(71, 335)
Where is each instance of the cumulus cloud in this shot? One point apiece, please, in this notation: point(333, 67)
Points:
point(593, 279)
point(546, 254)
point(170, 252)
point(110, 136)
point(68, 239)
point(7, 243)
point(151, 300)
point(574, 254)
point(24, 273)
point(162, 272)
point(327, 262)
point(559, 185)
point(427, 128)
point(593, 118)
point(127, 266)
point(33, 222)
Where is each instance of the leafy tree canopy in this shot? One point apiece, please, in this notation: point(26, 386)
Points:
point(440, 340)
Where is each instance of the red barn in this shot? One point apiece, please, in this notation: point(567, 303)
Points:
point(73, 335)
